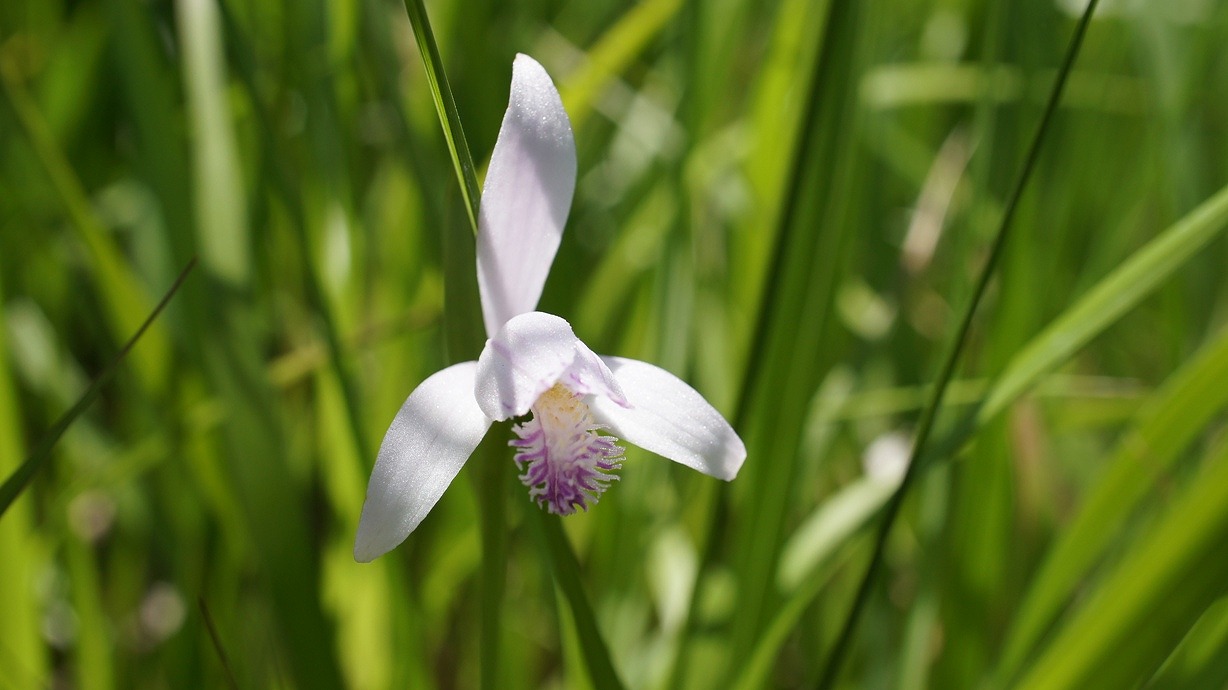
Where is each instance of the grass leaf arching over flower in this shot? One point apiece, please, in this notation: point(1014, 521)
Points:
point(533, 362)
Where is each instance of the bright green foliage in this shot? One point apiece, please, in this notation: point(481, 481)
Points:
point(786, 202)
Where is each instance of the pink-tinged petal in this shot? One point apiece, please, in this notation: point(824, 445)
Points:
point(671, 419)
point(432, 436)
point(526, 196)
point(589, 375)
point(530, 354)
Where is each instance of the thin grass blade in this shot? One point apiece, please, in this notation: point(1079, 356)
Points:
point(831, 669)
point(41, 456)
point(445, 106)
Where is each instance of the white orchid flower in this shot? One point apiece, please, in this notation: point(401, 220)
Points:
point(533, 362)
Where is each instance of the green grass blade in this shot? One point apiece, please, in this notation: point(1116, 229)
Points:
point(445, 106)
point(41, 456)
point(21, 652)
point(1173, 418)
point(1153, 597)
point(1202, 659)
point(1120, 291)
point(216, 640)
point(796, 323)
point(831, 670)
point(612, 53)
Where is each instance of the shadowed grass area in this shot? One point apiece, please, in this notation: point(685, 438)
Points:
point(787, 204)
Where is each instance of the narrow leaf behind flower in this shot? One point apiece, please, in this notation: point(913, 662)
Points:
point(796, 323)
point(445, 106)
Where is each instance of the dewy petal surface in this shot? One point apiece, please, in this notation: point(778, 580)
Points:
point(671, 419)
point(432, 436)
point(526, 196)
point(530, 354)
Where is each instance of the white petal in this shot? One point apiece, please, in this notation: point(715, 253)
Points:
point(526, 197)
point(432, 436)
point(671, 419)
point(530, 354)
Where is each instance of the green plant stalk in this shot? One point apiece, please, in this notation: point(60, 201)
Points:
point(445, 106)
point(216, 640)
point(567, 575)
point(40, 458)
point(797, 312)
point(835, 661)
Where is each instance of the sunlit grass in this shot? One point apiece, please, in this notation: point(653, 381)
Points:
point(785, 203)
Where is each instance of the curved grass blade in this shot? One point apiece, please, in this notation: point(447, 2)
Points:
point(1113, 296)
point(445, 106)
point(1152, 598)
point(21, 478)
point(831, 669)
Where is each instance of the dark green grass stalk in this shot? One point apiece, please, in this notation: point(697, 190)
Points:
point(839, 652)
point(216, 640)
point(41, 457)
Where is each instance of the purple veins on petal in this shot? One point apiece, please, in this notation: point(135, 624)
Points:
point(565, 463)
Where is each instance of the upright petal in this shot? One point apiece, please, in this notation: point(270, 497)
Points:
point(526, 197)
point(671, 419)
point(432, 436)
point(530, 354)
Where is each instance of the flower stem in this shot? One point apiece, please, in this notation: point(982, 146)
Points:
point(491, 464)
point(567, 575)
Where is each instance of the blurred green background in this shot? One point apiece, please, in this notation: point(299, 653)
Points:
point(786, 202)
